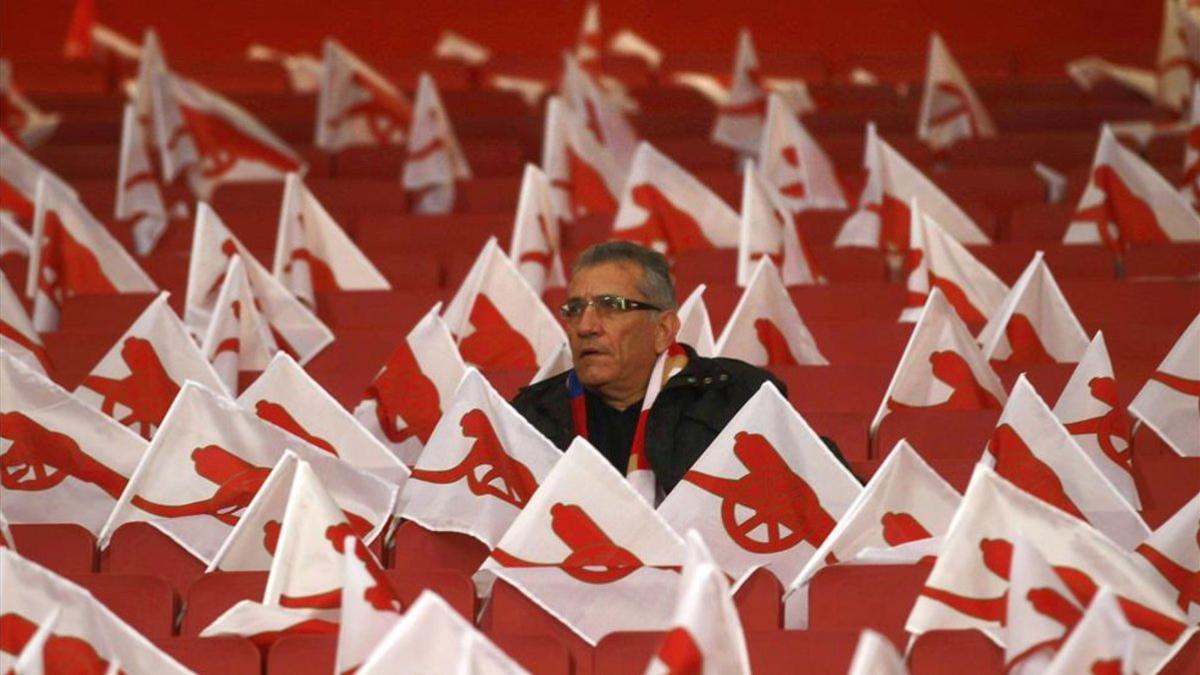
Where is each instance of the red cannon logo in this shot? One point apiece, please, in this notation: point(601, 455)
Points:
point(665, 223)
point(495, 343)
point(585, 188)
point(997, 559)
point(954, 293)
point(542, 257)
point(594, 557)
point(433, 146)
point(775, 343)
point(403, 391)
point(796, 189)
point(320, 274)
point(1121, 218)
point(950, 368)
point(379, 595)
point(68, 267)
point(41, 459)
point(680, 653)
point(147, 391)
point(61, 653)
point(1184, 580)
point(489, 470)
point(771, 508)
point(1108, 428)
point(1025, 343)
point(950, 105)
point(1017, 463)
point(755, 106)
point(895, 221)
point(9, 332)
point(237, 482)
point(222, 145)
point(387, 116)
point(279, 416)
point(228, 248)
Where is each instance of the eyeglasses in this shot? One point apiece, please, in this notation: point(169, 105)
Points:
point(606, 306)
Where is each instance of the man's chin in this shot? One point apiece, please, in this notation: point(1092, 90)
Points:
point(592, 377)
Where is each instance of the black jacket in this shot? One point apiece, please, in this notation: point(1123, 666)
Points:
point(692, 408)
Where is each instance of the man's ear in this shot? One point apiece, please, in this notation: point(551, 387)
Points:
point(666, 327)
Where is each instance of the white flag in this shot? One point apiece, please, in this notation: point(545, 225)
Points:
point(1090, 409)
point(935, 259)
point(970, 580)
point(876, 655)
point(239, 339)
point(74, 254)
point(1174, 551)
point(941, 367)
point(289, 398)
point(604, 118)
point(1168, 401)
point(1035, 323)
point(589, 550)
point(19, 175)
point(435, 160)
point(366, 503)
point(1031, 449)
point(695, 329)
point(204, 466)
point(707, 633)
point(883, 219)
point(369, 606)
point(1103, 641)
point(137, 380)
point(64, 462)
point(296, 329)
point(665, 207)
point(766, 492)
point(905, 501)
point(584, 176)
point(356, 105)
point(86, 636)
point(537, 234)
point(480, 466)
point(765, 328)
point(768, 229)
point(405, 400)
point(793, 161)
point(498, 320)
point(22, 119)
point(313, 254)
point(1127, 202)
point(740, 119)
point(232, 146)
point(950, 108)
point(139, 191)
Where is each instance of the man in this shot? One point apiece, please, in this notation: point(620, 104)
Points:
point(621, 322)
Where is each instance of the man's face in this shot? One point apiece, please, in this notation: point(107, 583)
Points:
point(617, 350)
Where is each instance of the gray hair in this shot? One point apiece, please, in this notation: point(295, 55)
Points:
point(655, 284)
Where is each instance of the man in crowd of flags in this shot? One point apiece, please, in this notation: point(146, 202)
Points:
point(649, 464)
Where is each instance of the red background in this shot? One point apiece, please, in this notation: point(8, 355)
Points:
point(223, 28)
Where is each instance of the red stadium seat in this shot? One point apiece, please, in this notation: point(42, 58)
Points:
point(1186, 659)
point(955, 651)
point(417, 548)
point(1179, 260)
point(759, 601)
point(835, 388)
point(395, 311)
point(223, 655)
point(847, 430)
point(938, 434)
point(141, 548)
point(877, 342)
point(60, 548)
point(1048, 379)
point(1008, 260)
point(147, 603)
point(302, 655)
point(855, 597)
point(511, 612)
point(1043, 222)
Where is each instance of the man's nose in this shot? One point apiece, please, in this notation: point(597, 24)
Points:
point(589, 321)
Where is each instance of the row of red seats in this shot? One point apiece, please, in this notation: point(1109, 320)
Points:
point(993, 72)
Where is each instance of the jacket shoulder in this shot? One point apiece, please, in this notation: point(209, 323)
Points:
point(528, 394)
point(742, 374)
